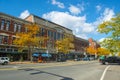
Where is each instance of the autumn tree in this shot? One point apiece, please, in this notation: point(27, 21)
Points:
point(29, 39)
point(91, 50)
point(103, 51)
point(64, 45)
point(112, 28)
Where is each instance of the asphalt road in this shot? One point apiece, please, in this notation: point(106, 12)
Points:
point(60, 71)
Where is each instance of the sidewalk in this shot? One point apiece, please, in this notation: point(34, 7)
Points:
point(23, 62)
point(68, 61)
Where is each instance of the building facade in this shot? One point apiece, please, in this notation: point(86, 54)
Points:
point(93, 43)
point(80, 46)
point(10, 25)
point(52, 31)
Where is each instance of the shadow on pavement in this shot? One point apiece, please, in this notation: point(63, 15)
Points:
point(39, 72)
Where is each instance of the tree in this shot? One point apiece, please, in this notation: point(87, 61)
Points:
point(64, 45)
point(112, 28)
point(91, 50)
point(103, 51)
point(29, 39)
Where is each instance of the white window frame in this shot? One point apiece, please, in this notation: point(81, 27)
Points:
point(2, 24)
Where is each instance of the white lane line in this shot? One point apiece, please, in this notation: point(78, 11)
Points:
point(103, 75)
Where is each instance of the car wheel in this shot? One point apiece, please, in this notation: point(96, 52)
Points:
point(5, 63)
point(103, 63)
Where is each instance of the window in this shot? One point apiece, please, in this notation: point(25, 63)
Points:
point(26, 29)
point(58, 36)
point(49, 33)
point(5, 40)
point(7, 25)
point(2, 24)
point(15, 27)
point(13, 38)
point(62, 36)
point(42, 31)
point(54, 35)
point(1, 37)
point(19, 28)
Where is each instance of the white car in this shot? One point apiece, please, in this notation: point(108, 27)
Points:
point(4, 60)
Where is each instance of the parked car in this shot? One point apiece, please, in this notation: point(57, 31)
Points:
point(4, 60)
point(86, 59)
point(110, 59)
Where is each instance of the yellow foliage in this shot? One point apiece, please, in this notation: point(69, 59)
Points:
point(103, 51)
point(91, 50)
point(64, 45)
point(29, 38)
point(119, 54)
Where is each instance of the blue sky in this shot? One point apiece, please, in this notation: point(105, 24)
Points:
point(81, 16)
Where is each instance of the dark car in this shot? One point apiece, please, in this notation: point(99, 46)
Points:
point(111, 59)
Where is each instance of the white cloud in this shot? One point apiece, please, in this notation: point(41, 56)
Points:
point(75, 10)
point(98, 7)
point(24, 14)
point(75, 23)
point(108, 14)
point(84, 36)
point(105, 16)
point(59, 4)
point(78, 24)
point(102, 39)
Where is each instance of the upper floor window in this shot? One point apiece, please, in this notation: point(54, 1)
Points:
point(5, 40)
point(26, 29)
point(62, 36)
point(49, 33)
point(19, 28)
point(54, 35)
point(2, 24)
point(58, 36)
point(7, 25)
point(13, 38)
point(42, 31)
point(15, 27)
point(1, 38)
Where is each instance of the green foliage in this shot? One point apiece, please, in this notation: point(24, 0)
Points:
point(111, 27)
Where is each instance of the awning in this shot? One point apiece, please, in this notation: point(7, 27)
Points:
point(35, 54)
point(46, 55)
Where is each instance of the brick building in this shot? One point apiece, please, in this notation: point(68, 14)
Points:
point(9, 25)
point(80, 46)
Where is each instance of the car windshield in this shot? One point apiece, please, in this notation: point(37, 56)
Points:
point(2, 59)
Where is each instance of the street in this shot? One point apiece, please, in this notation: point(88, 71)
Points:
point(80, 70)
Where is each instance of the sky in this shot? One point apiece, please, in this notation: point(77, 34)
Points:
point(81, 16)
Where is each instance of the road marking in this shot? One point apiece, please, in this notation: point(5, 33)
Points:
point(103, 75)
